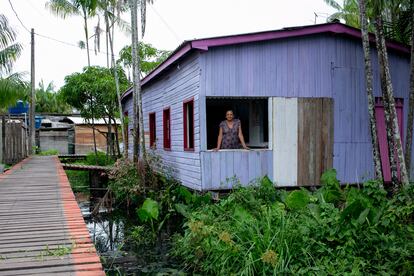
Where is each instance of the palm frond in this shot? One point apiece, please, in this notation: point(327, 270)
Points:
point(63, 8)
point(333, 4)
point(81, 44)
point(12, 89)
point(8, 56)
point(7, 34)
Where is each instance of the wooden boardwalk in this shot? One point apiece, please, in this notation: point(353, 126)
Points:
point(41, 227)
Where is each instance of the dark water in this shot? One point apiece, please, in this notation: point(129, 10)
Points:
point(120, 255)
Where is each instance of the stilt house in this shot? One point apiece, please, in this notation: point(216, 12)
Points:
point(299, 93)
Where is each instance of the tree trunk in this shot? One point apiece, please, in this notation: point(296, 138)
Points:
point(108, 143)
point(118, 93)
point(85, 20)
point(386, 76)
point(409, 139)
point(93, 132)
point(370, 94)
point(138, 118)
point(111, 142)
point(118, 150)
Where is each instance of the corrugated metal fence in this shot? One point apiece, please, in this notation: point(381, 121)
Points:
point(13, 142)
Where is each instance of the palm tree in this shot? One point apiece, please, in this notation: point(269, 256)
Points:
point(388, 95)
point(409, 138)
point(109, 8)
point(12, 87)
point(396, 16)
point(370, 94)
point(136, 95)
point(84, 8)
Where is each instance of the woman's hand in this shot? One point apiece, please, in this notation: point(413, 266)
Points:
point(246, 147)
point(216, 149)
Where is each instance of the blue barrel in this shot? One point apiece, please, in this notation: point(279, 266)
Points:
point(38, 121)
point(19, 108)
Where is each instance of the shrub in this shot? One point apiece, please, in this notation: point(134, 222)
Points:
point(49, 152)
point(328, 232)
point(100, 159)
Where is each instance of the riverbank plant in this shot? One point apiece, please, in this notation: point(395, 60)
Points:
point(159, 201)
point(332, 231)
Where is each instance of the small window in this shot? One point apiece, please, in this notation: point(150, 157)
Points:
point(153, 131)
point(167, 128)
point(189, 125)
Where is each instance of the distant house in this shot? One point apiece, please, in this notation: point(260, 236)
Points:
point(83, 137)
point(55, 135)
point(299, 92)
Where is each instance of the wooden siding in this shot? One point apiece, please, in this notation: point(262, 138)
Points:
point(297, 67)
point(310, 67)
point(15, 143)
point(178, 85)
point(352, 147)
point(84, 138)
point(226, 168)
point(315, 139)
point(285, 141)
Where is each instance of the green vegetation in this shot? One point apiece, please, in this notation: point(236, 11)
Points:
point(260, 230)
point(49, 101)
point(156, 198)
point(149, 57)
point(332, 231)
point(49, 152)
point(60, 251)
point(79, 181)
point(100, 159)
point(12, 85)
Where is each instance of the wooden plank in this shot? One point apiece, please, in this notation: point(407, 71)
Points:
point(215, 170)
point(285, 141)
point(328, 132)
point(315, 139)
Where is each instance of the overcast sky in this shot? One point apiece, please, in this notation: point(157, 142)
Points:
point(169, 22)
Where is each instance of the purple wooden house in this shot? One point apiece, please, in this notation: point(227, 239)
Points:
point(299, 93)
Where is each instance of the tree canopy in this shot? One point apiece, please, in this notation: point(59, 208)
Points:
point(149, 57)
point(396, 15)
point(50, 101)
point(93, 91)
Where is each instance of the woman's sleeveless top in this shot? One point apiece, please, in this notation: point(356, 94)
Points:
point(230, 135)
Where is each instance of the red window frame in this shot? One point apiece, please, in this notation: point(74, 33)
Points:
point(188, 125)
point(166, 121)
point(152, 129)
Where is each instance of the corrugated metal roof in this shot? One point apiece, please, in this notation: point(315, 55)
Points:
point(83, 121)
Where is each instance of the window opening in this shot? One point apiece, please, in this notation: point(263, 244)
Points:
point(252, 113)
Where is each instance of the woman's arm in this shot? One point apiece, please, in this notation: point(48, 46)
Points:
point(241, 137)
point(220, 137)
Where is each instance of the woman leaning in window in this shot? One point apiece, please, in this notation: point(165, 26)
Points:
point(230, 133)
